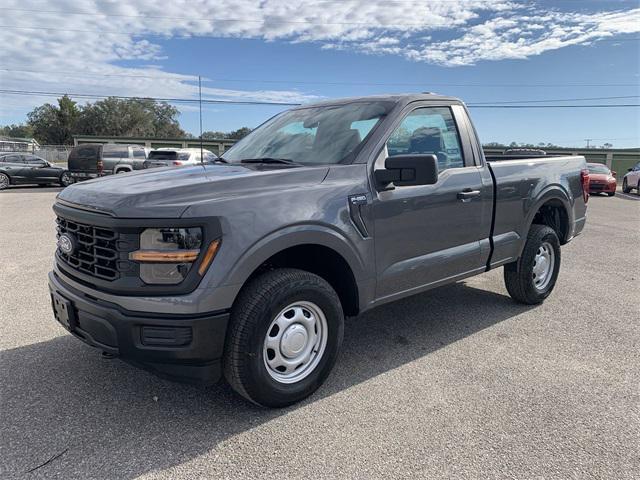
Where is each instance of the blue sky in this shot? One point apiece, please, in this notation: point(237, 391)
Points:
point(477, 50)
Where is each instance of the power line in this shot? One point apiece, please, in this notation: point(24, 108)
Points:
point(557, 100)
point(257, 102)
point(89, 96)
point(305, 82)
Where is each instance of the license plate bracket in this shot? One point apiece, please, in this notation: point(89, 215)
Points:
point(63, 311)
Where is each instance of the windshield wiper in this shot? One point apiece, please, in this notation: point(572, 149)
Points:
point(284, 161)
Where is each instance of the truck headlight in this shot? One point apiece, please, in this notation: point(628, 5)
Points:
point(166, 255)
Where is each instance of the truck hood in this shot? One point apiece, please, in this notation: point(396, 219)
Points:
point(168, 192)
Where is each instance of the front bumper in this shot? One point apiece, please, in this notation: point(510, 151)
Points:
point(602, 187)
point(186, 348)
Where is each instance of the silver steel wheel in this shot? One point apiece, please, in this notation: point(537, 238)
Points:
point(543, 266)
point(295, 342)
point(4, 182)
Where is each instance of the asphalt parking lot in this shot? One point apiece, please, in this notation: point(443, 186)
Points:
point(457, 383)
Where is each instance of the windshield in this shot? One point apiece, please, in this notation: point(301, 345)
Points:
point(312, 136)
point(598, 169)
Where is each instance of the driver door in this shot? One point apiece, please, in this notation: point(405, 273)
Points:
point(37, 170)
point(431, 234)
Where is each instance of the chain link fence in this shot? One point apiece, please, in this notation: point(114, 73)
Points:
point(51, 153)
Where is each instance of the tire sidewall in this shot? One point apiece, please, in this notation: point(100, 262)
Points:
point(8, 181)
point(264, 389)
point(64, 183)
point(527, 265)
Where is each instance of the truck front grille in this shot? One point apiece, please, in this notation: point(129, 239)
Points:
point(95, 252)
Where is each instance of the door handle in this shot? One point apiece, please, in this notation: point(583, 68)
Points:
point(467, 194)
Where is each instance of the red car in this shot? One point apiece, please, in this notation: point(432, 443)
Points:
point(601, 179)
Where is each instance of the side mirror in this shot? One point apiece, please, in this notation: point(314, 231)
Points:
point(613, 173)
point(408, 170)
point(629, 169)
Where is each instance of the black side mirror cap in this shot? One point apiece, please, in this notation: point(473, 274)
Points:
point(408, 170)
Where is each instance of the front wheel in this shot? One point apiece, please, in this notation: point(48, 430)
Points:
point(625, 186)
point(638, 188)
point(283, 340)
point(65, 179)
point(531, 278)
point(611, 194)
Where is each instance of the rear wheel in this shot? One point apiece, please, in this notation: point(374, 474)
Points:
point(625, 186)
point(285, 333)
point(5, 181)
point(532, 277)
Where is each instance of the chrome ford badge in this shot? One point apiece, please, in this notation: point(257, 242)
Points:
point(66, 243)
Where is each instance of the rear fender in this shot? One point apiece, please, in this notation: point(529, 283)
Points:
point(556, 193)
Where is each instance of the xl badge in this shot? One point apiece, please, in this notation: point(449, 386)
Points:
point(66, 243)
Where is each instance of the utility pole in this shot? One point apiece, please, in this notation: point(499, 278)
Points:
point(588, 140)
point(200, 104)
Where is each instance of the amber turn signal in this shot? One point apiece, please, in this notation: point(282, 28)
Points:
point(173, 256)
point(208, 257)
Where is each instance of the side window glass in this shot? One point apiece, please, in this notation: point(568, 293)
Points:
point(138, 153)
point(115, 151)
point(14, 159)
point(429, 130)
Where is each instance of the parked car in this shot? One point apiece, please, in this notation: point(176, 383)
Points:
point(19, 168)
point(90, 160)
point(631, 179)
point(173, 157)
point(247, 270)
point(601, 179)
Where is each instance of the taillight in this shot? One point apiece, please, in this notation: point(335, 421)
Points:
point(176, 162)
point(584, 177)
point(100, 166)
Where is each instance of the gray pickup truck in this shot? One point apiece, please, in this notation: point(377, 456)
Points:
point(247, 268)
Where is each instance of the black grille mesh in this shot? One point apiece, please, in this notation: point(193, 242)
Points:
point(96, 251)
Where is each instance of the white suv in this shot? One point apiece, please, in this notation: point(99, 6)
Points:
point(170, 157)
point(632, 179)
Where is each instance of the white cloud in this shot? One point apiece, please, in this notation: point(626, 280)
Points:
point(95, 53)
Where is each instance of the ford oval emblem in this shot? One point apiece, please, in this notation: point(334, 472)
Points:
point(66, 243)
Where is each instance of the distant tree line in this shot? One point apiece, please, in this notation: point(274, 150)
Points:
point(540, 145)
point(112, 117)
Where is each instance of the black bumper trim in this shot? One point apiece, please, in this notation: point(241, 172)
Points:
point(119, 333)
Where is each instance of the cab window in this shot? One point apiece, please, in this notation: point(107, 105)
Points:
point(428, 130)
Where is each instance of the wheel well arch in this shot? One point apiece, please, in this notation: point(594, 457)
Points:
point(322, 261)
point(122, 168)
point(554, 213)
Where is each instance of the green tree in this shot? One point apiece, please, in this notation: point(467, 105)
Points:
point(240, 133)
point(53, 124)
point(17, 131)
point(210, 135)
point(139, 117)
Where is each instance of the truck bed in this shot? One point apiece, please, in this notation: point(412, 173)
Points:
point(519, 189)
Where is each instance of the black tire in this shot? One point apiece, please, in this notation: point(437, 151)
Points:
point(638, 188)
point(611, 194)
point(519, 275)
point(625, 187)
point(257, 305)
point(65, 179)
point(5, 181)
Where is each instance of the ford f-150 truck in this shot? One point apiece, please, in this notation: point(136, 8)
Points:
point(246, 268)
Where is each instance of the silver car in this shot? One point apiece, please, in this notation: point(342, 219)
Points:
point(175, 157)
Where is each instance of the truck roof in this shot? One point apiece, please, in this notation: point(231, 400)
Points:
point(400, 98)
